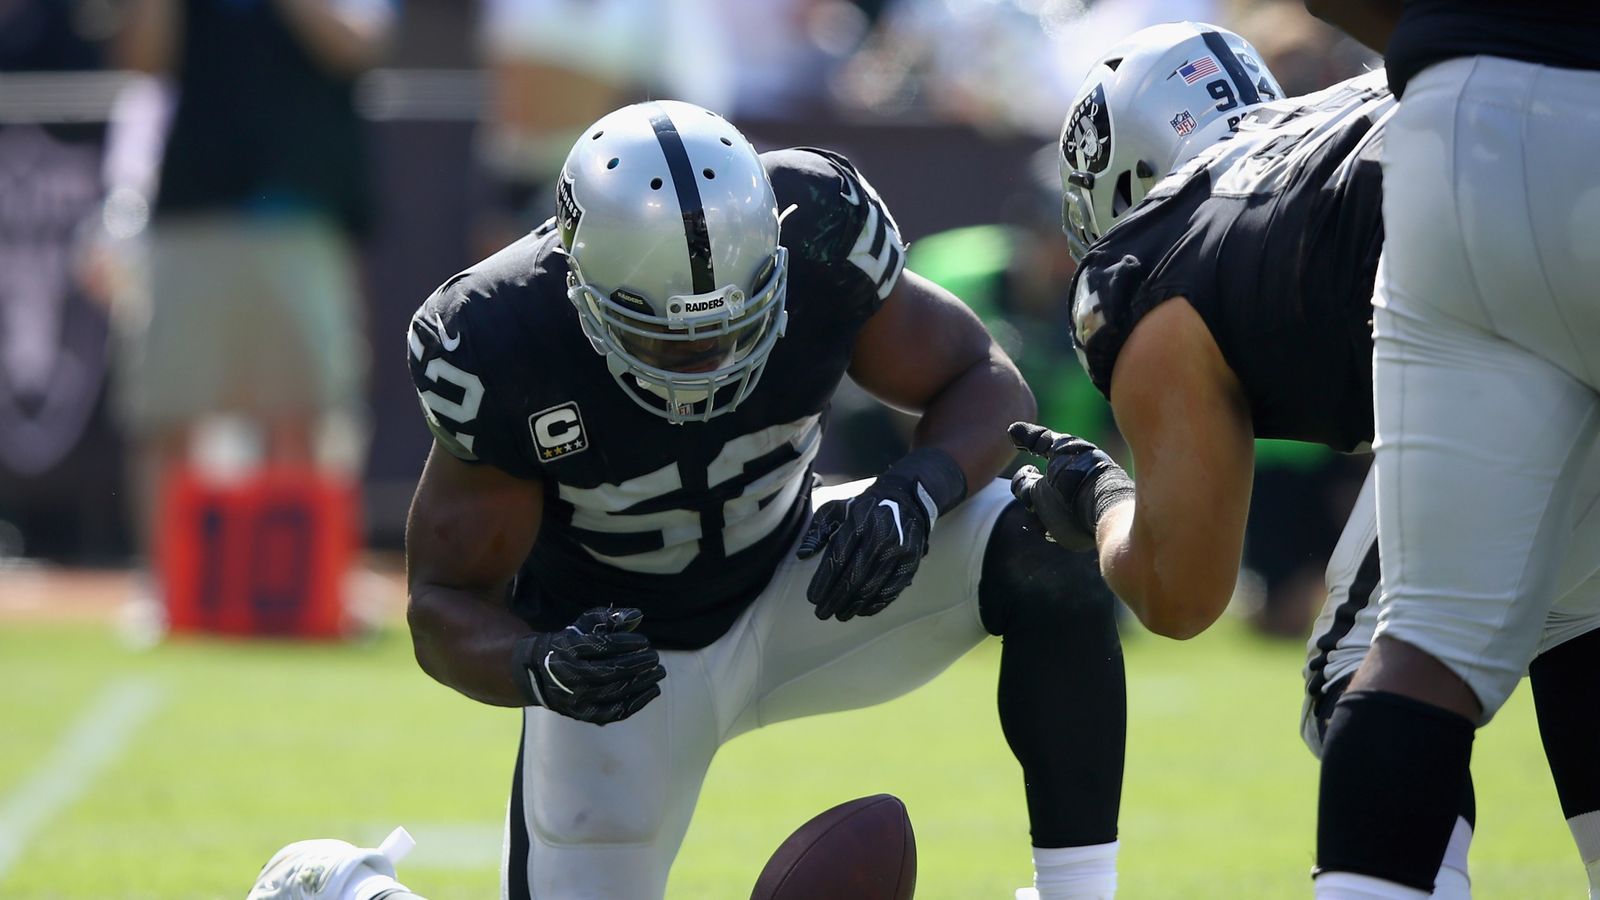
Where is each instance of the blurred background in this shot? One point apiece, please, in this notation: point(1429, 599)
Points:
point(216, 219)
point(178, 179)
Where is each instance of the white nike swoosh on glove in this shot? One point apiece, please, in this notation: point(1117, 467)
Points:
point(552, 675)
point(895, 508)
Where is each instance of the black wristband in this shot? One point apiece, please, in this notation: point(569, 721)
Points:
point(1111, 485)
point(938, 473)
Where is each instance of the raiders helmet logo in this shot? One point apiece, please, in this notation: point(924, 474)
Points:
point(1086, 141)
point(568, 212)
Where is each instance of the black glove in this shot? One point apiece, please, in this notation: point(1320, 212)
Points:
point(594, 670)
point(872, 543)
point(1080, 482)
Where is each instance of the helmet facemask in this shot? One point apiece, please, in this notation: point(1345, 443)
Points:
point(704, 344)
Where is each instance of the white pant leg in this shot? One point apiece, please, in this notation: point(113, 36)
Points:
point(1343, 630)
point(602, 811)
point(810, 666)
point(1577, 608)
point(1485, 410)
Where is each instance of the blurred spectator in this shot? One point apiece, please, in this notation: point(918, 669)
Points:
point(1303, 53)
point(785, 51)
point(554, 66)
point(999, 65)
point(52, 334)
point(1301, 498)
point(54, 35)
point(253, 311)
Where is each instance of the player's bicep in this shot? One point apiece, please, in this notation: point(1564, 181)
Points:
point(1186, 421)
point(470, 527)
point(921, 339)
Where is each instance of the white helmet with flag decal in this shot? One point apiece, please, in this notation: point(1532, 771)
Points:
point(1147, 106)
point(670, 227)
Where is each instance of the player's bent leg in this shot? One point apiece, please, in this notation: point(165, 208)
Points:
point(1062, 700)
point(1479, 440)
point(811, 666)
point(599, 812)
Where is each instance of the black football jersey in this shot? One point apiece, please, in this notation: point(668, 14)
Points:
point(1273, 236)
point(686, 522)
point(1560, 33)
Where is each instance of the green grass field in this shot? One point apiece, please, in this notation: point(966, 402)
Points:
point(175, 773)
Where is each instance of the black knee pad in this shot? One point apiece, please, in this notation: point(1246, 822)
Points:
point(1032, 585)
point(1393, 772)
point(1466, 805)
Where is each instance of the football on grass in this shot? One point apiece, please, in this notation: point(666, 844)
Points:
point(859, 850)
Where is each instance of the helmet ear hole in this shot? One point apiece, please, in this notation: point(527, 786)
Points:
point(1122, 197)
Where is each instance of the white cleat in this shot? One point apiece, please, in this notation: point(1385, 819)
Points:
point(1027, 894)
point(332, 870)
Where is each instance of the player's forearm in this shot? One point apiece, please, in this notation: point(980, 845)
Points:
point(968, 419)
point(1371, 22)
point(466, 642)
point(1171, 597)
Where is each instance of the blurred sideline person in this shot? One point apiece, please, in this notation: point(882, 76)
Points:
point(1231, 303)
point(1486, 367)
point(617, 532)
point(253, 309)
point(554, 66)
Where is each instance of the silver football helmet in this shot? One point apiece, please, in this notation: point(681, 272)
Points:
point(1146, 107)
point(670, 227)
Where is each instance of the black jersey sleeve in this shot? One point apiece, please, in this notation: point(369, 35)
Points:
point(456, 355)
point(842, 240)
point(1153, 255)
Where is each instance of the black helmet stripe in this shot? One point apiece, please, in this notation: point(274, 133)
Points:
point(1242, 81)
point(689, 203)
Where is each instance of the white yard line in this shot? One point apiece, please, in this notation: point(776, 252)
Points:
point(88, 747)
point(444, 845)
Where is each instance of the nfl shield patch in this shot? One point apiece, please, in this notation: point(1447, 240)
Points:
point(1183, 124)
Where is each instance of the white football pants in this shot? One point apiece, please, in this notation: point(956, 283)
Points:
point(1487, 360)
point(604, 809)
point(1344, 629)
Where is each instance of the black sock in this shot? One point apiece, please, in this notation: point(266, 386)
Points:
point(1394, 772)
point(1062, 694)
point(1566, 683)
